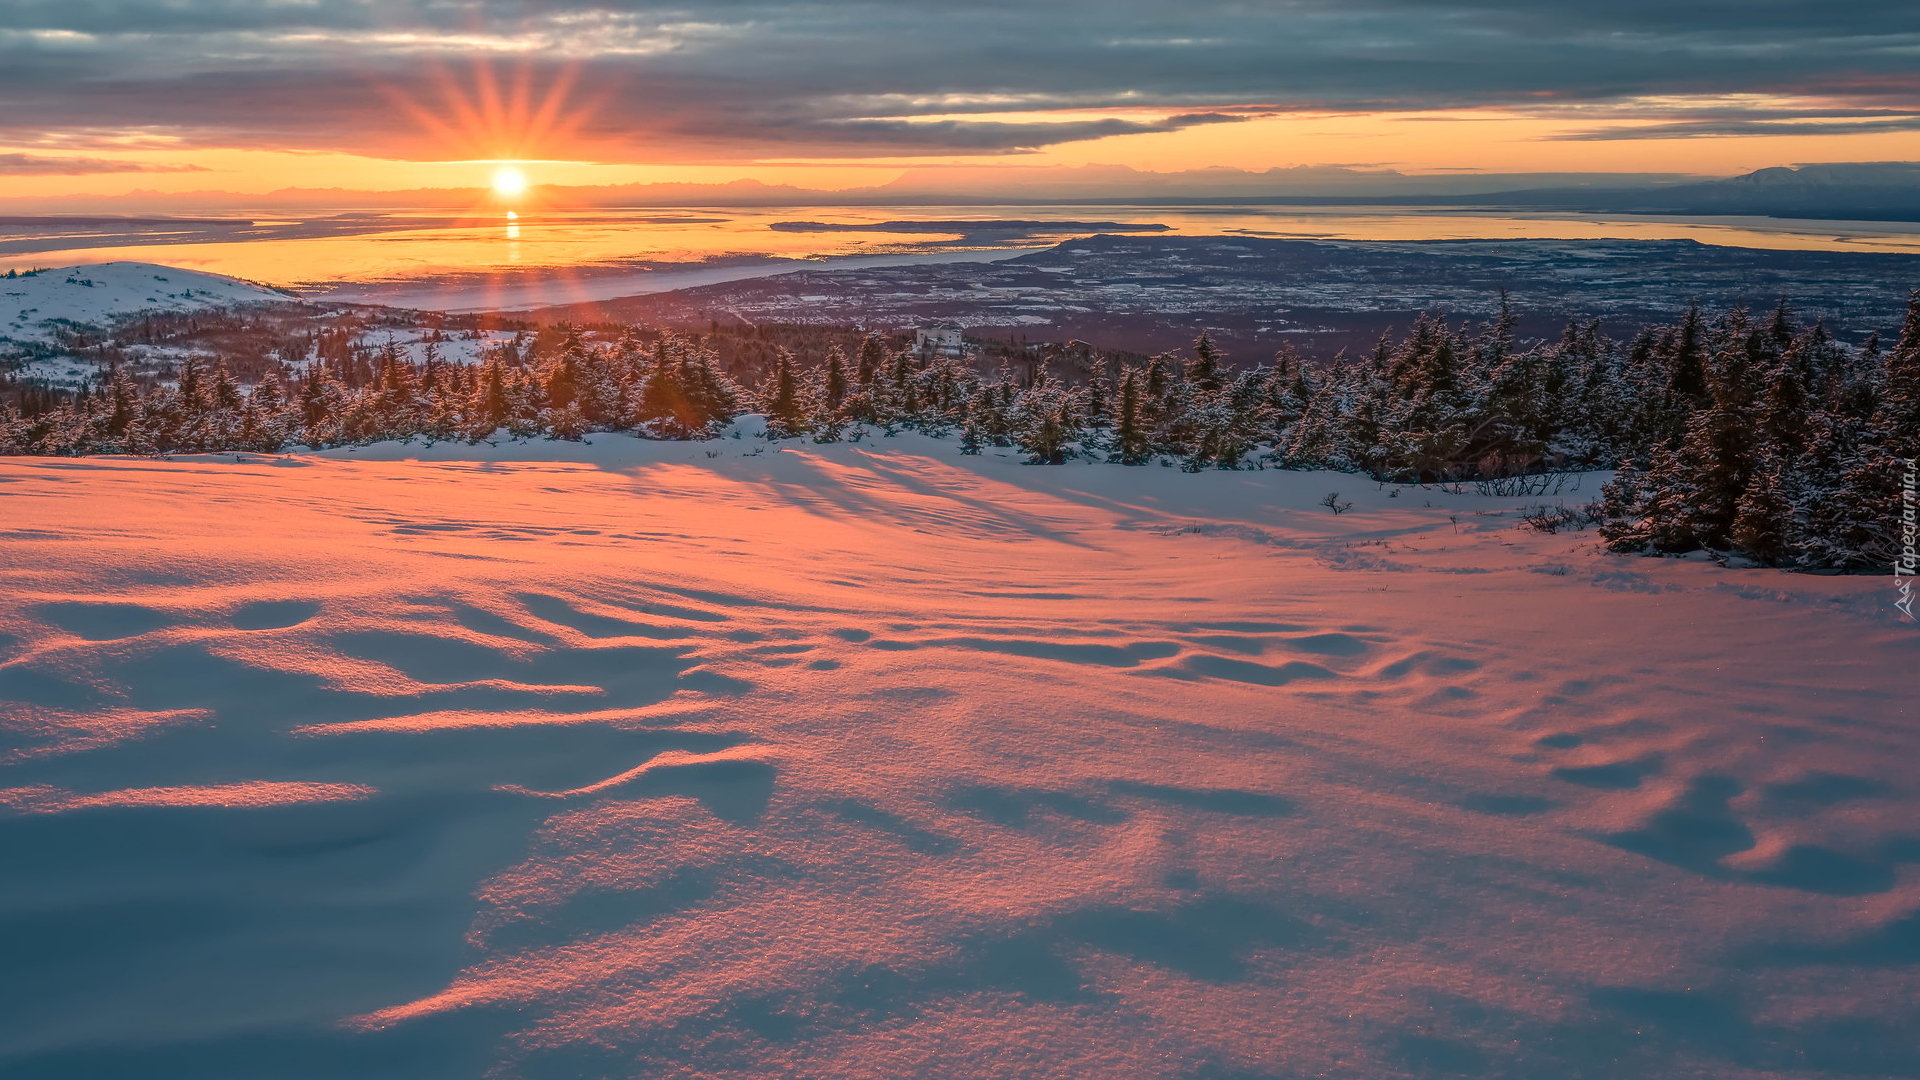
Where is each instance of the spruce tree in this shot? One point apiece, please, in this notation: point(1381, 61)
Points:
point(263, 419)
point(1130, 441)
point(1686, 359)
point(1046, 425)
point(1715, 454)
point(780, 402)
point(970, 435)
point(122, 409)
point(873, 354)
point(1840, 492)
point(1763, 523)
point(834, 381)
point(489, 410)
point(1205, 372)
point(1897, 415)
point(1156, 387)
point(1781, 414)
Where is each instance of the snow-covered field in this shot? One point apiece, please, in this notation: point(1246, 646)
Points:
point(416, 346)
point(33, 306)
point(727, 760)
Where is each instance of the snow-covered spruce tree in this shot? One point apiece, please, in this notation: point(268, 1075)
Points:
point(895, 396)
point(1896, 418)
point(563, 382)
point(1841, 493)
point(1313, 440)
point(1785, 403)
point(222, 406)
point(831, 396)
point(780, 400)
point(264, 418)
point(685, 396)
point(1287, 391)
point(873, 354)
point(1227, 422)
point(970, 435)
point(1422, 419)
point(993, 411)
point(1206, 370)
point(1649, 417)
point(443, 394)
point(1206, 415)
point(1764, 527)
point(488, 406)
point(1854, 389)
point(1044, 421)
point(1820, 421)
point(526, 403)
point(1856, 453)
point(1594, 406)
point(1099, 415)
point(312, 404)
point(120, 412)
point(1784, 461)
point(1685, 358)
point(1694, 489)
point(1159, 400)
point(1519, 416)
point(1131, 442)
point(13, 434)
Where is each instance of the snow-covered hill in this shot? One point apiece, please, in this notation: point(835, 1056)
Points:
point(735, 760)
point(33, 306)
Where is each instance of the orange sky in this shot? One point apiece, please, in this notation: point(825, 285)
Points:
point(1480, 141)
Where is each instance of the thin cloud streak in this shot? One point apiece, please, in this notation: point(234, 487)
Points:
point(1721, 129)
point(40, 165)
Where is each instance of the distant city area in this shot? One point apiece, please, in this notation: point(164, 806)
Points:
point(1148, 293)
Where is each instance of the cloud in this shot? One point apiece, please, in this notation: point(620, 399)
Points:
point(1708, 121)
point(40, 165)
point(1719, 129)
point(936, 136)
point(646, 80)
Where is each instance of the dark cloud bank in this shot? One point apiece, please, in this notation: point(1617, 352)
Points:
point(735, 80)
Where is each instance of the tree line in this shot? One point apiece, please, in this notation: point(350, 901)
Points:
point(1728, 433)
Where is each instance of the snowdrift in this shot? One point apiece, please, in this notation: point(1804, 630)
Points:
point(738, 759)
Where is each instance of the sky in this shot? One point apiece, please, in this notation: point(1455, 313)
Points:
point(107, 96)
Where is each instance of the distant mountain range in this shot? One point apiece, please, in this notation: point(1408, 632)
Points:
point(1880, 191)
point(1883, 191)
point(1872, 191)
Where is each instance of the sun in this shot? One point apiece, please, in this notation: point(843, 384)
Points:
point(509, 183)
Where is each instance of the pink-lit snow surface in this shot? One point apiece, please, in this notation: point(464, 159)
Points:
point(740, 760)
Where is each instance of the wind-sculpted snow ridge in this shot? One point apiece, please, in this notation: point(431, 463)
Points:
point(745, 759)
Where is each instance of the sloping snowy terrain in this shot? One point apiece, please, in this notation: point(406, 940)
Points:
point(34, 306)
point(733, 760)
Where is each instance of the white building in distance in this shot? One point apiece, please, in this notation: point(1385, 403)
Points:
point(945, 338)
